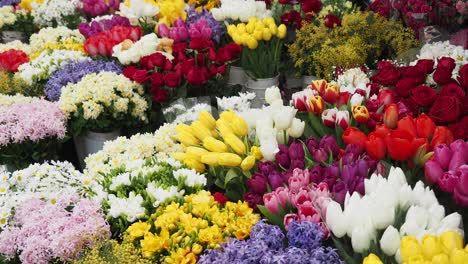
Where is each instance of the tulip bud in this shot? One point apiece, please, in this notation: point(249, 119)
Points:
point(424, 126)
point(360, 114)
point(440, 259)
point(333, 219)
point(194, 164)
point(391, 116)
point(258, 35)
point(319, 86)
point(227, 115)
point(272, 94)
point(329, 117)
point(207, 120)
point(409, 246)
point(200, 131)
point(266, 34)
point(390, 241)
point(195, 153)
point(210, 158)
point(360, 238)
point(430, 246)
point(273, 29)
point(239, 126)
point(316, 104)
point(252, 43)
point(342, 119)
point(229, 159)
point(224, 127)
point(248, 163)
point(183, 127)
point(372, 259)
point(450, 241)
point(459, 256)
point(179, 156)
point(297, 128)
point(187, 138)
point(235, 143)
point(332, 92)
point(282, 31)
point(256, 152)
point(214, 145)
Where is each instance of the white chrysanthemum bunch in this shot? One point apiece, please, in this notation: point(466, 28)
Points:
point(122, 151)
point(47, 63)
point(7, 16)
point(49, 36)
point(18, 45)
point(54, 12)
point(237, 104)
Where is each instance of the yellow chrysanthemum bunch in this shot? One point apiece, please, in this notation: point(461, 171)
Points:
point(256, 30)
point(184, 229)
point(444, 249)
point(222, 142)
point(170, 10)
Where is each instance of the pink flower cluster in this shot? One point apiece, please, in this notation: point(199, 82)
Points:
point(44, 231)
point(99, 7)
point(180, 33)
point(31, 121)
point(308, 200)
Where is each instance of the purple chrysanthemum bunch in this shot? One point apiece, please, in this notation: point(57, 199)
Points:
point(217, 27)
point(96, 26)
point(73, 72)
point(45, 231)
point(267, 245)
point(31, 121)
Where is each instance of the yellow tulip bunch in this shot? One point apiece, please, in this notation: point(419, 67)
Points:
point(256, 30)
point(185, 229)
point(222, 142)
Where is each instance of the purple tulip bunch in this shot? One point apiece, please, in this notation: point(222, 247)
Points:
point(266, 245)
point(449, 170)
point(94, 27)
point(218, 28)
point(95, 8)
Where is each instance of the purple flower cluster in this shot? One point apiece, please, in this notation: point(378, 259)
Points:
point(266, 246)
point(31, 121)
point(9, 2)
point(95, 8)
point(93, 28)
point(73, 72)
point(218, 28)
point(45, 231)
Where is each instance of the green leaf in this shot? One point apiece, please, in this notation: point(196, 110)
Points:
point(230, 175)
point(276, 219)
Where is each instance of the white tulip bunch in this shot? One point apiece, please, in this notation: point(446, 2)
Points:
point(392, 206)
point(273, 124)
point(240, 10)
point(136, 9)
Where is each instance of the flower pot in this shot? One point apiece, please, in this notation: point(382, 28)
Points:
point(9, 36)
point(293, 84)
point(91, 142)
point(306, 80)
point(258, 87)
point(236, 76)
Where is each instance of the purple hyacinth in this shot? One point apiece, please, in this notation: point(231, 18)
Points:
point(93, 28)
point(9, 2)
point(270, 234)
point(217, 27)
point(73, 73)
point(305, 235)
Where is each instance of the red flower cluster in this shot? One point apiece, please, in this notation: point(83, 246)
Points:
point(102, 43)
point(10, 60)
point(446, 103)
point(309, 9)
point(164, 76)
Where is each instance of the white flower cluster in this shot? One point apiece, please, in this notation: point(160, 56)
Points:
point(178, 113)
point(235, 103)
point(104, 91)
point(240, 10)
point(18, 45)
point(50, 35)
point(353, 79)
point(47, 63)
point(54, 11)
point(123, 151)
point(385, 198)
point(7, 100)
point(128, 52)
point(191, 177)
point(273, 124)
point(7, 16)
point(45, 181)
point(136, 9)
point(433, 51)
point(130, 207)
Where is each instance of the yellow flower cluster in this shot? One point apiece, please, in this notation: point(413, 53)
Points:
point(221, 142)
point(206, 4)
point(185, 229)
point(68, 44)
point(113, 252)
point(256, 30)
point(170, 10)
point(444, 249)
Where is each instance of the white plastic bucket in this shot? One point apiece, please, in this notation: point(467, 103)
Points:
point(258, 87)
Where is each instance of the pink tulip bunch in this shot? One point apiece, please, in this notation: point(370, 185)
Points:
point(95, 8)
point(178, 32)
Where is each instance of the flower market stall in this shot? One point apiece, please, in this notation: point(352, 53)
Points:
point(240, 131)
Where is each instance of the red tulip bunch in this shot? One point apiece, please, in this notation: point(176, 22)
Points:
point(446, 102)
point(11, 59)
point(103, 42)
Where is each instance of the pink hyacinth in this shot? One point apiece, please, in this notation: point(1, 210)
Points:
point(31, 121)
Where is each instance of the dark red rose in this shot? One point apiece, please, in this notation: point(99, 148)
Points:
point(404, 86)
point(172, 79)
point(446, 63)
point(168, 65)
point(460, 129)
point(388, 76)
point(311, 6)
point(423, 95)
point(140, 76)
point(374, 89)
point(442, 77)
point(427, 66)
point(153, 60)
point(222, 70)
point(212, 55)
point(129, 72)
point(332, 21)
point(446, 109)
point(159, 95)
point(452, 89)
point(413, 72)
point(234, 49)
point(463, 76)
point(196, 77)
point(199, 44)
point(179, 47)
point(157, 79)
point(384, 65)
